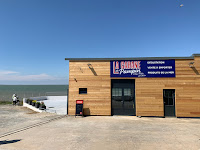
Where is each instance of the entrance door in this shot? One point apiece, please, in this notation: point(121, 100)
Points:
point(169, 102)
point(123, 97)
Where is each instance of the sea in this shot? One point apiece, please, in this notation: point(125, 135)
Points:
point(26, 91)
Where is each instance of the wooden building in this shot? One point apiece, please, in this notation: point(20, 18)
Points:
point(152, 86)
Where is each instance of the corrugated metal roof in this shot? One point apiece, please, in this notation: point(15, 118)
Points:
point(133, 58)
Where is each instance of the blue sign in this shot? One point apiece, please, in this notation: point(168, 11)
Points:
point(143, 68)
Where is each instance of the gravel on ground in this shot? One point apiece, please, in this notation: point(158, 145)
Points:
point(103, 133)
point(15, 117)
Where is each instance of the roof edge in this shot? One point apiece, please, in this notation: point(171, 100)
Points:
point(195, 54)
point(135, 58)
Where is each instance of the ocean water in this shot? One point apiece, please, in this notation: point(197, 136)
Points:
point(26, 91)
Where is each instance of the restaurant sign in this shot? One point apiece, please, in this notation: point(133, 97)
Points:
point(142, 68)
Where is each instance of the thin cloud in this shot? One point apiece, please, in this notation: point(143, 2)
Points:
point(15, 76)
point(7, 72)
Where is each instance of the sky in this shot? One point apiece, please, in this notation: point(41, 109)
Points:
point(37, 35)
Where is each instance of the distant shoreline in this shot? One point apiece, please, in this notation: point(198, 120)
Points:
point(25, 91)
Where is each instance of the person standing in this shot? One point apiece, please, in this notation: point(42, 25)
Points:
point(14, 95)
point(14, 100)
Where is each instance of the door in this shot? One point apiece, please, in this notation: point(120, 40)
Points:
point(169, 102)
point(123, 97)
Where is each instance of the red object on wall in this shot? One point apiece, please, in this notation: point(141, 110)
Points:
point(79, 101)
point(79, 108)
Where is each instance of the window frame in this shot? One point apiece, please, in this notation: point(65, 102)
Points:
point(80, 91)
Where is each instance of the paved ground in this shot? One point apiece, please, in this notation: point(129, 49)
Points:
point(115, 132)
point(59, 104)
point(15, 117)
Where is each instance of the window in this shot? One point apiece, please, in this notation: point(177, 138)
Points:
point(82, 90)
point(169, 96)
point(127, 92)
point(116, 91)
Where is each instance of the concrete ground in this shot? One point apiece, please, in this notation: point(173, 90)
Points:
point(15, 117)
point(58, 104)
point(55, 104)
point(107, 132)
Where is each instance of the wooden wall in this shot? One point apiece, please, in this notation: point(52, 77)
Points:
point(97, 101)
point(149, 91)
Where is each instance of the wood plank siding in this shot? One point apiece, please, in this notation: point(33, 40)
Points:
point(148, 91)
point(97, 101)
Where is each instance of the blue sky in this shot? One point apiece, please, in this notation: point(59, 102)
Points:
point(36, 35)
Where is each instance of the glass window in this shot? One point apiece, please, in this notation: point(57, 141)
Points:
point(169, 96)
point(116, 91)
point(127, 92)
point(82, 90)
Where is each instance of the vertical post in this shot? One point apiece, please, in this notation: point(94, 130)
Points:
point(67, 99)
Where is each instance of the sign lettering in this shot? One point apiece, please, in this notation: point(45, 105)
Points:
point(143, 68)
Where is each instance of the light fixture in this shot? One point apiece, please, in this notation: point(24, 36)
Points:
point(92, 69)
point(75, 79)
point(191, 64)
point(90, 66)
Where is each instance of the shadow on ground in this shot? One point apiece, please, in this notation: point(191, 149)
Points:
point(9, 142)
